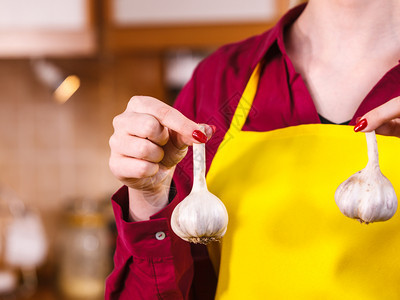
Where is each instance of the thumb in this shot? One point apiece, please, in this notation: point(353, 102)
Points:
point(175, 150)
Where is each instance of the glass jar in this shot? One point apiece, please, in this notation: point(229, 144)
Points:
point(84, 255)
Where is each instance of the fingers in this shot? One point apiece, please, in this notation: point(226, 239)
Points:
point(136, 147)
point(391, 128)
point(187, 130)
point(173, 154)
point(149, 139)
point(141, 125)
point(125, 168)
point(384, 119)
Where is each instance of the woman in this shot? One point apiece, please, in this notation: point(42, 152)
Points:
point(330, 61)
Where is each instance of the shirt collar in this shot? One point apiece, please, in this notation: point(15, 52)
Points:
point(275, 34)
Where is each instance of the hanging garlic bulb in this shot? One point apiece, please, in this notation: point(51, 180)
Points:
point(201, 217)
point(367, 195)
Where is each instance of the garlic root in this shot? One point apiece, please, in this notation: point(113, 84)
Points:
point(367, 195)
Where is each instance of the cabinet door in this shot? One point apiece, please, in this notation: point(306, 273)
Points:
point(46, 28)
point(189, 12)
point(160, 24)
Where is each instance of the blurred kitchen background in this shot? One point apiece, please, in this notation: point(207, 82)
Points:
point(67, 67)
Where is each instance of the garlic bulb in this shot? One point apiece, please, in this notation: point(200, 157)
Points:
point(367, 195)
point(201, 217)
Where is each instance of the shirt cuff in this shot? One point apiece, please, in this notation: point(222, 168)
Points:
point(143, 239)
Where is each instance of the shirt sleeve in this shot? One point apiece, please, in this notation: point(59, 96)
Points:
point(150, 261)
point(144, 263)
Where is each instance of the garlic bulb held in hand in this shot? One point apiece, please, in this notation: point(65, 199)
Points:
point(367, 195)
point(201, 217)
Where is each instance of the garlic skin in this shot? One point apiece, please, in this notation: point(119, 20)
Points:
point(201, 217)
point(367, 195)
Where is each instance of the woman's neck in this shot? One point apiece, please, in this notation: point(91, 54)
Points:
point(334, 27)
point(342, 48)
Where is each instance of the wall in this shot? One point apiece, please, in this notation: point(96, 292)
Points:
point(52, 153)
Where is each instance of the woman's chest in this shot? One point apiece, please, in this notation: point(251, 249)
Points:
point(339, 90)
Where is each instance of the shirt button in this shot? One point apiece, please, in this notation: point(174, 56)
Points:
point(160, 235)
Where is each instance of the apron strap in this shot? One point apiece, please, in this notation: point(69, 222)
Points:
point(237, 123)
point(245, 102)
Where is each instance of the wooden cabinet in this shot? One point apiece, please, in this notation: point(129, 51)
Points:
point(47, 28)
point(132, 25)
point(60, 28)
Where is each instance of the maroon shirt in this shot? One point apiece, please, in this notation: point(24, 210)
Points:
point(151, 262)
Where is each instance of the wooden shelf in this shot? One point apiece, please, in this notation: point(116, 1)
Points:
point(120, 40)
point(125, 38)
point(16, 44)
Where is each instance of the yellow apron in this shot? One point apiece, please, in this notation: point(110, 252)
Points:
point(286, 237)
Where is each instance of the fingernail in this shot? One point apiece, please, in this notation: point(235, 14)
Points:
point(360, 125)
point(199, 136)
point(214, 128)
point(358, 119)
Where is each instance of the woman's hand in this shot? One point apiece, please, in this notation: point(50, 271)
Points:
point(149, 139)
point(384, 119)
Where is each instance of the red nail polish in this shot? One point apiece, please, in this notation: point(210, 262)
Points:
point(360, 125)
point(199, 136)
point(214, 128)
point(358, 119)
